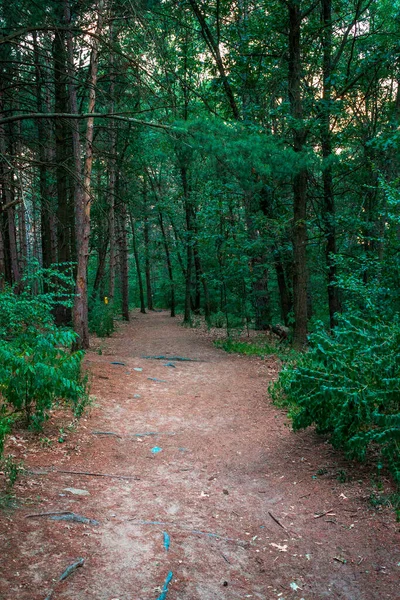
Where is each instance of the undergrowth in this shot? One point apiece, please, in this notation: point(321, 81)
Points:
point(102, 319)
point(39, 366)
point(258, 347)
point(348, 386)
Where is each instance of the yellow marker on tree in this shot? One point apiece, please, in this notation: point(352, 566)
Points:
point(105, 300)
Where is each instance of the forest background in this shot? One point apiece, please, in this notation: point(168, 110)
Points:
point(237, 160)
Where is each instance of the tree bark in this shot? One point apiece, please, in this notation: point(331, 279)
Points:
point(329, 216)
point(101, 268)
point(43, 128)
point(112, 171)
point(60, 98)
point(300, 179)
point(146, 234)
point(84, 200)
point(10, 238)
point(189, 253)
point(137, 262)
point(124, 266)
point(169, 264)
point(284, 293)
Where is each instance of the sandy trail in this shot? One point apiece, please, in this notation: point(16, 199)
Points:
point(235, 490)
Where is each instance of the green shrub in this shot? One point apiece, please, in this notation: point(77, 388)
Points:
point(348, 385)
point(12, 470)
point(38, 365)
point(217, 320)
point(101, 319)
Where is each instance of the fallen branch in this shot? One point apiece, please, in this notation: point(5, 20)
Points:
point(276, 520)
point(89, 474)
point(106, 433)
point(65, 516)
point(172, 358)
point(68, 571)
point(47, 514)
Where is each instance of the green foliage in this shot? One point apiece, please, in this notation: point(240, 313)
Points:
point(101, 319)
point(391, 500)
point(257, 348)
point(348, 385)
point(12, 470)
point(217, 320)
point(38, 363)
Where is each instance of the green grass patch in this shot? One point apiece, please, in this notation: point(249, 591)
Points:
point(257, 347)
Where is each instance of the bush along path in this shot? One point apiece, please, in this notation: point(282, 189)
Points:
point(186, 483)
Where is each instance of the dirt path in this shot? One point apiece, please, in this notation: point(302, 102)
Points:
point(229, 467)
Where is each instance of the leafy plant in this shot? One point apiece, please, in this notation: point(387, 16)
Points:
point(101, 319)
point(348, 385)
point(38, 363)
point(11, 469)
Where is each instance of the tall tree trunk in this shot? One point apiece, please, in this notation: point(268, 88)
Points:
point(178, 240)
point(137, 262)
point(112, 170)
point(169, 264)
point(262, 300)
point(84, 200)
point(146, 234)
point(8, 202)
point(42, 128)
point(259, 269)
point(198, 277)
point(101, 269)
point(284, 293)
point(23, 240)
point(189, 253)
point(124, 266)
point(2, 257)
point(329, 216)
point(12, 232)
point(62, 142)
point(300, 179)
point(60, 106)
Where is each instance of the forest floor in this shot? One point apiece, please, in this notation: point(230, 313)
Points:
point(251, 509)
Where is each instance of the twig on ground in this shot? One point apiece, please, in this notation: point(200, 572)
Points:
point(276, 520)
point(319, 515)
point(89, 474)
point(48, 514)
point(172, 358)
point(106, 433)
